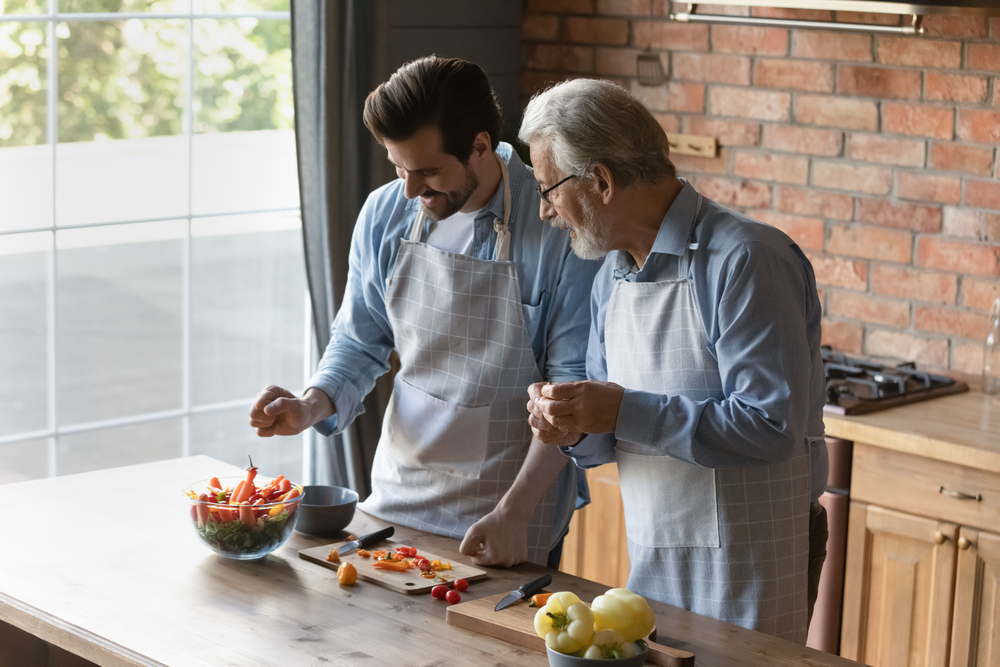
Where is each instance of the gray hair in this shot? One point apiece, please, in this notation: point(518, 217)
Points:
point(586, 121)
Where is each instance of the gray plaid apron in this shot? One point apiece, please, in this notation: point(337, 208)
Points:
point(456, 432)
point(731, 543)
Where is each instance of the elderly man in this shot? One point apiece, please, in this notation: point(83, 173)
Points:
point(451, 267)
point(706, 384)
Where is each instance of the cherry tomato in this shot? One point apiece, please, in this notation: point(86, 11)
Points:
point(440, 591)
point(461, 585)
point(453, 597)
point(422, 563)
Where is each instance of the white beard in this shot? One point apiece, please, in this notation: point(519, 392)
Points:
point(591, 240)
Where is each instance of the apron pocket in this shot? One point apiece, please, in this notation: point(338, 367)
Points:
point(428, 433)
point(668, 502)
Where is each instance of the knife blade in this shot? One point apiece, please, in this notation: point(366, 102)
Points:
point(525, 591)
point(366, 540)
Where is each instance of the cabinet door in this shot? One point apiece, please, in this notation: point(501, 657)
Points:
point(975, 640)
point(596, 547)
point(898, 588)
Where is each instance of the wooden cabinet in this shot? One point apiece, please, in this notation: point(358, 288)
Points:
point(920, 588)
point(595, 547)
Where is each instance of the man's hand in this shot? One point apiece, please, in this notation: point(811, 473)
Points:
point(586, 406)
point(277, 411)
point(497, 539)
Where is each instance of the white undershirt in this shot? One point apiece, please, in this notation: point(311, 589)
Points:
point(454, 233)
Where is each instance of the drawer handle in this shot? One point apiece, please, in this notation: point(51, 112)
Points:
point(959, 495)
point(940, 538)
point(963, 543)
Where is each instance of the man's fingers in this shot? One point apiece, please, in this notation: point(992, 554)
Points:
point(562, 390)
point(552, 407)
point(267, 432)
point(279, 405)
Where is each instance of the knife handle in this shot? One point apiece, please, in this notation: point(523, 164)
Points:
point(377, 536)
point(533, 587)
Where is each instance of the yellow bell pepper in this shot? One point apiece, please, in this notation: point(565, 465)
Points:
point(622, 610)
point(565, 623)
point(609, 644)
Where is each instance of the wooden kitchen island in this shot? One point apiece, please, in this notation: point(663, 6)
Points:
point(106, 566)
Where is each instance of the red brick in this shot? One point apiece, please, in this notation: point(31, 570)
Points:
point(831, 45)
point(991, 227)
point(744, 103)
point(539, 28)
point(916, 119)
point(836, 112)
point(929, 187)
point(843, 336)
point(663, 7)
point(595, 31)
point(794, 14)
point(880, 82)
point(919, 52)
point(815, 203)
point(560, 58)
point(876, 148)
point(839, 272)
point(670, 123)
point(956, 157)
point(870, 243)
point(735, 193)
point(670, 35)
point(979, 294)
point(673, 96)
point(951, 87)
point(982, 194)
point(926, 352)
point(958, 256)
point(867, 18)
point(841, 176)
point(885, 213)
point(622, 62)
point(794, 139)
point(955, 26)
point(961, 222)
point(560, 6)
point(714, 68)
point(749, 40)
point(984, 56)
point(806, 232)
point(782, 73)
point(781, 168)
point(726, 132)
point(860, 306)
point(981, 126)
point(624, 7)
point(967, 358)
point(950, 321)
point(707, 165)
point(907, 283)
point(535, 82)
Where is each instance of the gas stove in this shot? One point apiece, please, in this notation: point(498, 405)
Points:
point(856, 386)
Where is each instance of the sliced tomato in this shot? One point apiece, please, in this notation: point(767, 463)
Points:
point(422, 563)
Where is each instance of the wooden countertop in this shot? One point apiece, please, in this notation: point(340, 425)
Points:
point(963, 429)
point(107, 566)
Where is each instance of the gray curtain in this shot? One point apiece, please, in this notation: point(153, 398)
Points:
point(339, 54)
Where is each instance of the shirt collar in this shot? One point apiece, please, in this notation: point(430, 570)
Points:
point(675, 230)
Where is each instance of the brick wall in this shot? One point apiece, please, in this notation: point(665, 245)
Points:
point(877, 154)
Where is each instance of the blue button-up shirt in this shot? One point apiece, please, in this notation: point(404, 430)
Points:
point(757, 295)
point(555, 290)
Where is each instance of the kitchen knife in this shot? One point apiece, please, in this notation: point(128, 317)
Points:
point(366, 540)
point(524, 592)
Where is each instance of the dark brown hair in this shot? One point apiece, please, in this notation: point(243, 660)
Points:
point(453, 95)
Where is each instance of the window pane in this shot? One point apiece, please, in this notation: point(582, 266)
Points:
point(240, 6)
point(23, 461)
point(23, 56)
point(120, 446)
point(244, 150)
point(160, 6)
point(24, 6)
point(23, 376)
point(227, 435)
point(247, 306)
point(119, 296)
point(124, 81)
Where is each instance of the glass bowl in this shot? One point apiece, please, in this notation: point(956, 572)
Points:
point(228, 533)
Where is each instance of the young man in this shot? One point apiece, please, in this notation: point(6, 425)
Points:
point(706, 381)
point(451, 267)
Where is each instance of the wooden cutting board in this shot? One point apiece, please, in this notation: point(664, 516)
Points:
point(516, 624)
point(409, 582)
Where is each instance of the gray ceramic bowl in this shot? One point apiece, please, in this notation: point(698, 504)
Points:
point(557, 659)
point(326, 510)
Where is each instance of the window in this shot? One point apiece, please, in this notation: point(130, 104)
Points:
point(151, 265)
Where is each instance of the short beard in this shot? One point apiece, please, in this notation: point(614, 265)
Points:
point(592, 240)
point(455, 200)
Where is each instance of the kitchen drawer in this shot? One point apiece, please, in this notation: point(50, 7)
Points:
point(912, 484)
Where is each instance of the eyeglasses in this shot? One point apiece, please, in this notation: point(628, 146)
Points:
point(544, 194)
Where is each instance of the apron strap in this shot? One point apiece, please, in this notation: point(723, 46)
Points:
point(502, 227)
point(685, 261)
point(417, 230)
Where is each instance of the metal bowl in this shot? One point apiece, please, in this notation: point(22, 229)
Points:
point(557, 659)
point(326, 510)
